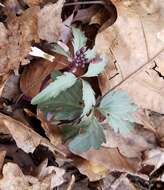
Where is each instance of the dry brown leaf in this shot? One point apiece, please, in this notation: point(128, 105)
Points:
point(2, 157)
point(50, 22)
point(13, 178)
point(133, 144)
point(16, 41)
point(25, 137)
point(97, 163)
point(122, 183)
point(37, 71)
point(51, 131)
point(154, 157)
point(94, 171)
point(44, 171)
point(133, 41)
point(33, 2)
point(11, 89)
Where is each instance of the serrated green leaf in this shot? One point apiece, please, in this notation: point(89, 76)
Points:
point(79, 39)
point(91, 137)
point(118, 108)
point(88, 97)
point(62, 83)
point(90, 54)
point(67, 105)
point(95, 69)
point(58, 49)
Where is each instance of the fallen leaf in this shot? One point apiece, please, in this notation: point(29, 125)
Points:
point(44, 172)
point(33, 2)
point(11, 89)
point(37, 71)
point(125, 45)
point(22, 31)
point(2, 157)
point(97, 163)
point(51, 131)
point(154, 157)
point(93, 170)
point(25, 137)
point(50, 22)
point(13, 178)
point(133, 144)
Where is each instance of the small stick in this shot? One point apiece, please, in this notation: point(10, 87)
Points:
point(71, 183)
point(84, 3)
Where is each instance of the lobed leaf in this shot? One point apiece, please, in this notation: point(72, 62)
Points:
point(88, 97)
point(60, 50)
point(96, 68)
point(118, 108)
point(90, 54)
point(61, 83)
point(91, 137)
point(67, 105)
point(79, 39)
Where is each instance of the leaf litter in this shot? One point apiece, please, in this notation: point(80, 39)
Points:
point(81, 95)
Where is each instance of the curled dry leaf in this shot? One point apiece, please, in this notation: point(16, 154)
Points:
point(44, 172)
point(154, 157)
point(50, 22)
point(25, 137)
point(13, 178)
point(97, 163)
point(51, 131)
point(37, 72)
point(124, 43)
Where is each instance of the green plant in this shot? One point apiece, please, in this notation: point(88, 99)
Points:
point(72, 99)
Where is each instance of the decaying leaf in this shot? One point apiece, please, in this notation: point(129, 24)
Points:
point(25, 137)
point(47, 180)
point(50, 22)
point(37, 71)
point(133, 144)
point(33, 2)
point(125, 44)
point(22, 31)
point(154, 157)
point(51, 131)
point(97, 163)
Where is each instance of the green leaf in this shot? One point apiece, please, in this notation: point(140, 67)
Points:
point(92, 136)
point(58, 49)
point(67, 105)
point(55, 74)
point(118, 108)
point(79, 39)
point(62, 83)
point(96, 68)
point(90, 54)
point(88, 97)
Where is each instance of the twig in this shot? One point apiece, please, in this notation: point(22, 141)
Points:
point(132, 74)
point(71, 183)
point(84, 3)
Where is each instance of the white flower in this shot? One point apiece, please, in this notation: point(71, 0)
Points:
point(39, 53)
